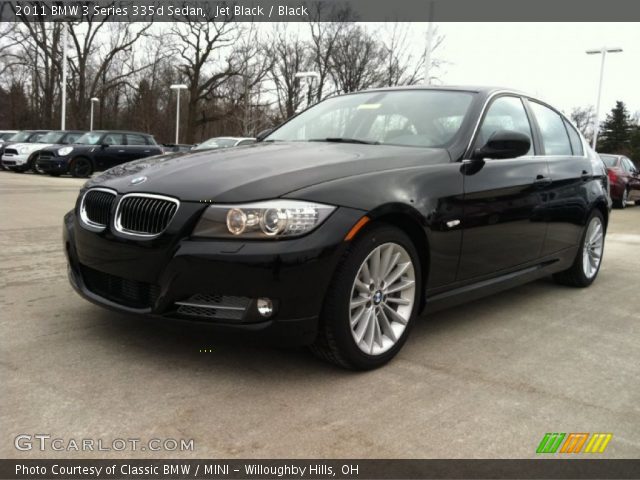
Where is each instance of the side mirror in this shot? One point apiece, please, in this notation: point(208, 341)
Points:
point(504, 144)
point(263, 134)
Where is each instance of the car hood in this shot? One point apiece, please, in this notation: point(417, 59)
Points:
point(32, 147)
point(260, 171)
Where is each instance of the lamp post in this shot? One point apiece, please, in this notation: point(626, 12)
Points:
point(602, 51)
point(63, 100)
point(178, 87)
point(94, 100)
point(309, 77)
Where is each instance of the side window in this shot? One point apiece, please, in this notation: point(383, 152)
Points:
point(628, 165)
point(72, 137)
point(135, 140)
point(113, 139)
point(554, 134)
point(505, 113)
point(574, 138)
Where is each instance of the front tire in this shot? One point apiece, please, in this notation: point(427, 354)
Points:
point(372, 302)
point(81, 167)
point(586, 266)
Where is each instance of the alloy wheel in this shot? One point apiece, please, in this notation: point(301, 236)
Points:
point(592, 249)
point(382, 298)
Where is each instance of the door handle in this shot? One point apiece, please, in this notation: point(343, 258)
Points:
point(541, 181)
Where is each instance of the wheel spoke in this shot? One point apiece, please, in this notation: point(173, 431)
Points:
point(374, 266)
point(370, 332)
point(366, 275)
point(358, 317)
point(360, 285)
point(363, 326)
point(400, 287)
point(397, 273)
point(377, 338)
point(398, 300)
point(386, 326)
point(357, 302)
point(395, 316)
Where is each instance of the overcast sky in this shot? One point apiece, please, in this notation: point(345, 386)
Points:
point(544, 59)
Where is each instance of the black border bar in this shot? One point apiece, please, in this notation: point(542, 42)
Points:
point(174, 469)
point(326, 10)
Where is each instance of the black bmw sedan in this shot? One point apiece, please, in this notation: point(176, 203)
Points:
point(342, 225)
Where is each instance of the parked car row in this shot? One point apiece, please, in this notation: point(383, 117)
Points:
point(82, 153)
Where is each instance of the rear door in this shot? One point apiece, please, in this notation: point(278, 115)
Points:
point(633, 179)
point(566, 197)
point(111, 152)
point(138, 147)
point(502, 197)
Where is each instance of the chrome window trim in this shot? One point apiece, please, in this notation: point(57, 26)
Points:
point(85, 222)
point(118, 225)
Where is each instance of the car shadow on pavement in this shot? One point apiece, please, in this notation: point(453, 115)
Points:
point(189, 344)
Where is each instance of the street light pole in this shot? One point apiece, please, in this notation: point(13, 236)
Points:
point(601, 51)
point(308, 77)
point(63, 109)
point(178, 87)
point(427, 53)
point(94, 100)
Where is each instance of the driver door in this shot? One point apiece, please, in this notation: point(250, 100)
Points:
point(502, 224)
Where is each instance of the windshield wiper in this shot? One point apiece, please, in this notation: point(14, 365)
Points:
point(344, 140)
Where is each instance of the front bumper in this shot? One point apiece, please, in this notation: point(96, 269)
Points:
point(169, 272)
point(53, 164)
point(11, 160)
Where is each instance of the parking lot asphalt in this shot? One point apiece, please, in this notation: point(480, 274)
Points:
point(483, 380)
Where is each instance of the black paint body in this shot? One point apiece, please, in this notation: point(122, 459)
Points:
point(519, 219)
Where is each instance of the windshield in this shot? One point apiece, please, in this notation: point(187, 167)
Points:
point(51, 137)
point(609, 160)
point(20, 137)
point(418, 118)
point(89, 138)
point(216, 143)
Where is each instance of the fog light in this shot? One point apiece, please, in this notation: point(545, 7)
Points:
point(265, 307)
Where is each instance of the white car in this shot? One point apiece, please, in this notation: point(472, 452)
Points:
point(223, 142)
point(20, 155)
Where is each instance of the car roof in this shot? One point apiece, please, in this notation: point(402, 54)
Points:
point(487, 90)
point(121, 131)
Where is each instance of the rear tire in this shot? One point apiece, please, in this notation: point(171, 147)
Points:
point(622, 203)
point(31, 163)
point(364, 325)
point(81, 167)
point(587, 263)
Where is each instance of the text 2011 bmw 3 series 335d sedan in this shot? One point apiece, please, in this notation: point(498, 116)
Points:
point(345, 222)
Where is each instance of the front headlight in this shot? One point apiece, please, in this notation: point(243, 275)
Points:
point(23, 150)
point(261, 220)
point(64, 151)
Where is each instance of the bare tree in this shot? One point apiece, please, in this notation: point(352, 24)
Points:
point(357, 61)
point(584, 119)
point(402, 65)
point(206, 62)
point(290, 55)
point(324, 37)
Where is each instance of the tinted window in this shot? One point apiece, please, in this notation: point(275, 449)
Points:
point(505, 113)
point(135, 140)
point(574, 138)
point(113, 139)
point(72, 137)
point(554, 134)
point(246, 142)
point(420, 118)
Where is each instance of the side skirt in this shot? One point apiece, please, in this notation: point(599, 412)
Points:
point(488, 286)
